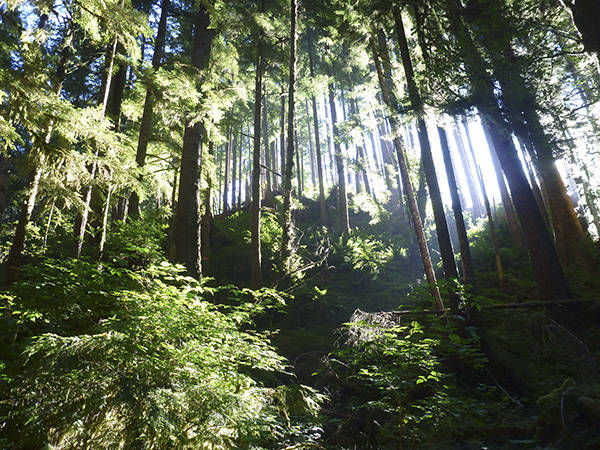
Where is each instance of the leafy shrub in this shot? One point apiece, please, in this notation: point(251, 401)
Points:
point(405, 385)
point(136, 243)
point(365, 254)
point(126, 359)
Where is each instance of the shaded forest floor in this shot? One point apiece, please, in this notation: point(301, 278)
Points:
point(518, 378)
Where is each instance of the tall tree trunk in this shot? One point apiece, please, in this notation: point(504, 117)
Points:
point(571, 242)
point(357, 172)
point(311, 149)
point(4, 164)
point(389, 171)
point(148, 113)
point(49, 223)
point(282, 131)
point(220, 176)
point(322, 204)
point(104, 233)
point(38, 160)
point(240, 174)
point(536, 187)
point(88, 194)
point(255, 263)
point(375, 154)
point(207, 220)
point(13, 261)
point(187, 221)
point(522, 107)
point(171, 233)
point(121, 209)
point(330, 138)
point(299, 164)
point(486, 203)
point(265, 133)
point(117, 91)
point(512, 222)
point(236, 153)
point(227, 169)
point(550, 278)
point(408, 190)
point(276, 178)
point(362, 160)
point(461, 230)
point(466, 165)
point(286, 213)
point(439, 214)
point(362, 155)
point(343, 219)
point(586, 16)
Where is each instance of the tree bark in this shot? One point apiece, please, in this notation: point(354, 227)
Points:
point(571, 242)
point(311, 148)
point(227, 169)
point(535, 187)
point(282, 131)
point(299, 165)
point(343, 219)
point(187, 221)
point(322, 205)
point(49, 223)
point(240, 173)
point(265, 134)
point(113, 111)
point(550, 277)
point(255, 263)
point(330, 138)
point(286, 213)
point(463, 240)
point(466, 165)
point(13, 261)
point(512, 222)
point(236, 153)
point(207, 220)
point(521, 107)
point(4, 164)
point(362, 160)
point(171, 234)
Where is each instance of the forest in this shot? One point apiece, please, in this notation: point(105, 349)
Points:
point(299, 224)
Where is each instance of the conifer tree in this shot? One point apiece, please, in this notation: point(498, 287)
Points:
point(286, 213)
point(187, 219)
point(147, 114)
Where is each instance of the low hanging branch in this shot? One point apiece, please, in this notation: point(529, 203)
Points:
point(271, 170)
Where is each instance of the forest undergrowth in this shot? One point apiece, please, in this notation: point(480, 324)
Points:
point(131, 353)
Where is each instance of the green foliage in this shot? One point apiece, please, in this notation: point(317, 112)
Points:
point(114, 357)
point(136, 243)
point(365, 254)
point(231, 252)
point(407, 383)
